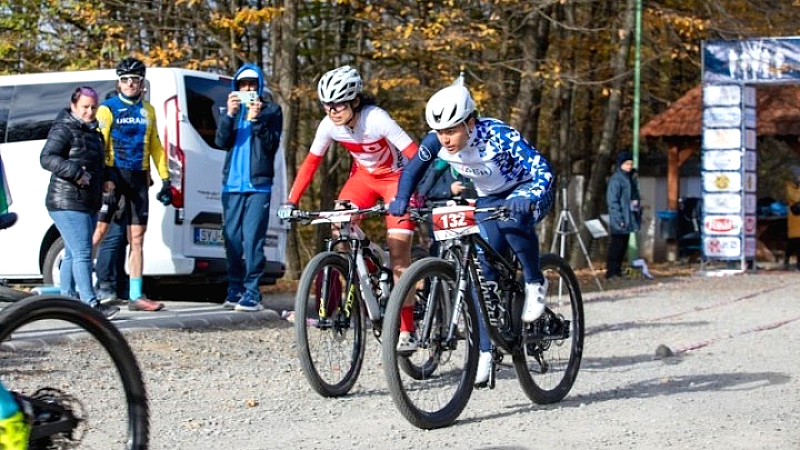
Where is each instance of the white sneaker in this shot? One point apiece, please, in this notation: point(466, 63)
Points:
point(484, 367)
point(534, 301)
point(406, 343)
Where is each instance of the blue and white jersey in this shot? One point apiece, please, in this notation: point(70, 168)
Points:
point(497, 159)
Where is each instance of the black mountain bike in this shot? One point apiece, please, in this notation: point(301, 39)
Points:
point(73, 374)
point(546, 353)
point(342, 292)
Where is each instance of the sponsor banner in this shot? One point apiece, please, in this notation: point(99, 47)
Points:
point(750, 139)
point(750, 225)
point(750, 203)
point(722, 138)
point(722, 117)
point(722, 203)
point(722, 160)
point(750, 118)
point(724, 225)
point(722, 96)
point(750, 247)
point(722, 247)
point(750, 184)
point(722, 181)
point(769, 60)
point(750, 160)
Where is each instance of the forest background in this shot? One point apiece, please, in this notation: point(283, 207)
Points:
point(560, 71)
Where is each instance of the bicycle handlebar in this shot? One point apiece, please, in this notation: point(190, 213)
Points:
point(301, 215)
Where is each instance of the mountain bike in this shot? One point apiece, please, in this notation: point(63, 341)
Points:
point(73, 374)
point(546, 353)
point(342, 292)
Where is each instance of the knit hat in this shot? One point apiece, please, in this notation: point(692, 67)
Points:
point(624, 156)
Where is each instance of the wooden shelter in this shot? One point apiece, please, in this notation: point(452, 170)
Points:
point(680, 126)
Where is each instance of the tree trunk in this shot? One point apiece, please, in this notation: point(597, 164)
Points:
point(595, 194)
point(285, 41)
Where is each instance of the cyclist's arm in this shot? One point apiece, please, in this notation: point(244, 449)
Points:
point(531, 160)
point(322, 141)
point(413, 172)
point(104, 119)
point(157, 152)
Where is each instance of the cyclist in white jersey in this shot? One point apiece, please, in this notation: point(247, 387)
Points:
point(380, 149)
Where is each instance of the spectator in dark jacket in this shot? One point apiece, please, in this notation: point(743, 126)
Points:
point(74, 153)
point(624, 213)
point(251, 133)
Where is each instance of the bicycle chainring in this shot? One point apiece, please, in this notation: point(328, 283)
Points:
point(63, 404)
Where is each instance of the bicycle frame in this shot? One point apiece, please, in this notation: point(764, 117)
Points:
point(348, 232)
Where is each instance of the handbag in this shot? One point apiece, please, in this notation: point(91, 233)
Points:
point(795, 208)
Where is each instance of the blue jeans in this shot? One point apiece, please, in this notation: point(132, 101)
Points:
point(76, 228)
point(245, 217)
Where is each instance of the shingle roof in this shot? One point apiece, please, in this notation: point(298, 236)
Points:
point(778, 114)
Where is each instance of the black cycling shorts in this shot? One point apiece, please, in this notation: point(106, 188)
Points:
point(132, 197)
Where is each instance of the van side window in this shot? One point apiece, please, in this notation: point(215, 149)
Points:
point(34, 107)
point(205, 98)
point(5, 107)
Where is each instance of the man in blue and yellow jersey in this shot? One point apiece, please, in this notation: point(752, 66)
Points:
point(128, 125)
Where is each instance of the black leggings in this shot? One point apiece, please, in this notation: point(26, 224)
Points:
point(617, 246)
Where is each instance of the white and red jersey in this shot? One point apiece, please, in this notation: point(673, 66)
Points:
point(377, 144)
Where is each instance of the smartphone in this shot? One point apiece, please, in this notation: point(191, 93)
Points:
point(246, 97)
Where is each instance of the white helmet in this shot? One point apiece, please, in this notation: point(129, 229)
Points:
point(449, 107)
point(339, 85)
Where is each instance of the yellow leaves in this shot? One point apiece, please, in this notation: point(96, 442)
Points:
point(243, 18)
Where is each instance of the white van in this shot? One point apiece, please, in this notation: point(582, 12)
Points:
point(183, 243)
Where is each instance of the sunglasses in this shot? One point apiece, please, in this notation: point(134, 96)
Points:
point(335, 107)
point(132, 79)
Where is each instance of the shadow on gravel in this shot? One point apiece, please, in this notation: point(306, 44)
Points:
point(624, 326)
point(625, 361)
point(686, 384)
point(650, 388)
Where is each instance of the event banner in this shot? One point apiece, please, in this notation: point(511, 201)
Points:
point(767, 60)
point(728, 170)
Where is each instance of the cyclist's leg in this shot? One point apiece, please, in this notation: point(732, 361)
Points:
point(14, 427)
point(491, 234)
point(520, 233)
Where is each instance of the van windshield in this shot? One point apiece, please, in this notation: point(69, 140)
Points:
point(205, 101)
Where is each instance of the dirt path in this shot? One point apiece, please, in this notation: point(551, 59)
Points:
point(731, 383)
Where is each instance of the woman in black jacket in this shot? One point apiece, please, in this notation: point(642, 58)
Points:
point(74, 153)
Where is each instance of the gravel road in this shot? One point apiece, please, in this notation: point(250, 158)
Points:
point(732, 382)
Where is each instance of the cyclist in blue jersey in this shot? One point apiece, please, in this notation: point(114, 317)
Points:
point(128, 125)
point(506, 171)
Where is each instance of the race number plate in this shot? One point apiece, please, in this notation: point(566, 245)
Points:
point(451, 222)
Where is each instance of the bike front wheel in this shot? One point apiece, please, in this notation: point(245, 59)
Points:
point(548, 362)
point(435, 394)
point(77, 374)
point(330, 325)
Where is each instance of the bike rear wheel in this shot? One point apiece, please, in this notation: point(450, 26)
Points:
point(551, 356)
point(77, 372)
point(330, 343)
point(434, 397)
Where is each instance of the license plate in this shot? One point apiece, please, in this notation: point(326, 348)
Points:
point(208, 236)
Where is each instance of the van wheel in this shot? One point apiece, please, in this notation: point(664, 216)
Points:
point(51, 270)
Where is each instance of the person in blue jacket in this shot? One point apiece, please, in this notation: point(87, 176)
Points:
point(251, 133)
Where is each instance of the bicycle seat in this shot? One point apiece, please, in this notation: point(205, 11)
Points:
point(7, 220)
